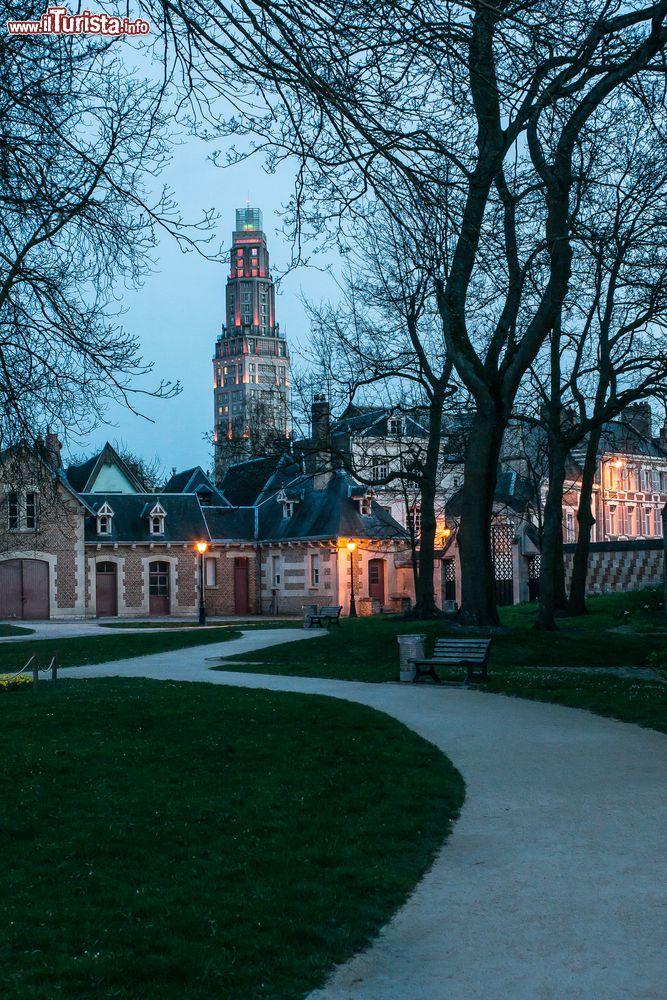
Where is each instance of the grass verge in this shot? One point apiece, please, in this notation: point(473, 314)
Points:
point(620, 630)
point(174, 841)
point(15, 630)
point(102, 648)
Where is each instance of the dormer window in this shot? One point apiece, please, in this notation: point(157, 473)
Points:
point(288, 502)
point(156, 518)
point(396, 426)
point(104, 519)
point(365, 505)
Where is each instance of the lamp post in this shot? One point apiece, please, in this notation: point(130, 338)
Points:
point(201, 549)
point(351, 546)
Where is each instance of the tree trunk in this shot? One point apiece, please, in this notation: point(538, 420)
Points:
point(426, 606)
point(577, 600)
point(478, 591)
point(552, 540)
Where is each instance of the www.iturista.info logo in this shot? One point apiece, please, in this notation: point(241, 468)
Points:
point(56, 21)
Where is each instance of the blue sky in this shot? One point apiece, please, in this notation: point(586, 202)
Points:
point(178, 312)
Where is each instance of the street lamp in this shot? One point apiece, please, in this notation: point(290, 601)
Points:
point(201, 549)
point(351, 546)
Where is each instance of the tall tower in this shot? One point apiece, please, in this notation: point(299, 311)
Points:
point(251, 362)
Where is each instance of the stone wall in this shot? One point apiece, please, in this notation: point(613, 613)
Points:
point(619, 566)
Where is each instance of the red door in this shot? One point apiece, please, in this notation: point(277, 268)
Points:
point(158, 588)
point(24, 589)
point(106, 590)
point(241, 604)
point(376, 580)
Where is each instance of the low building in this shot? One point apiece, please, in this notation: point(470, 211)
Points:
point(89, 540)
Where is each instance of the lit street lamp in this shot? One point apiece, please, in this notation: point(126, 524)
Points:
point(201, 549)
point(351, 546)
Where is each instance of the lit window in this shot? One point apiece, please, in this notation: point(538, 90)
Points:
point(314, 571)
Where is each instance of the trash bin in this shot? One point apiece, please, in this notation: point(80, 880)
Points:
point(308, 611)
point(410, 647)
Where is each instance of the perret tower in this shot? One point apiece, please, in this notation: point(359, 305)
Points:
point(251, 363)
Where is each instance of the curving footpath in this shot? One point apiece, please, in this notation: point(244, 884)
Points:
point(553, 884)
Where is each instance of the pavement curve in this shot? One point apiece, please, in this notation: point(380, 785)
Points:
point(553, 884)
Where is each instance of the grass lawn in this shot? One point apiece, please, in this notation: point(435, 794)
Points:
point(620, 630)
point(169, 841)
point(15, 630)
point(163, 625)
point(100, 648)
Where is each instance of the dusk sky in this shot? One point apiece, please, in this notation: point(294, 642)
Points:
point(178, 313)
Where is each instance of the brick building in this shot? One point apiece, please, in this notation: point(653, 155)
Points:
point(90, 540)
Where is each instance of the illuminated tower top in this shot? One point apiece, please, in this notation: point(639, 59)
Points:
point(251, 361)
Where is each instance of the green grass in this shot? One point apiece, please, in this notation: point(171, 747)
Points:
point(168, 841)
point(15, 630)
point(367, 650)
point(102, 648)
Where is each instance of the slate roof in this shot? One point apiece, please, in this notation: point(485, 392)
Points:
point(243, 482)
point(184, 521)
point(374, 421)
point(512, 490)
point(81, 477)
point(325, 513)
point(234, 524)
point(193, 480)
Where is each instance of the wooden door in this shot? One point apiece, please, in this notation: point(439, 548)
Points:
point(158, 588)
point(11, 589)
point(24, 589)
point(106, 590)
point(241, 603)
point(35, 588)
point(376, 580)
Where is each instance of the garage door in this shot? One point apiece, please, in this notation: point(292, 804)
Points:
point(24, 588)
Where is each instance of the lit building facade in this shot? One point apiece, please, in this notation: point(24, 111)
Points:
point(251, 377)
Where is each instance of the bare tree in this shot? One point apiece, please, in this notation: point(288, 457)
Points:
point(385, 343)
point(80, 138)
point(478, 114)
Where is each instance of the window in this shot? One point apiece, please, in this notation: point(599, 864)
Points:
point(647, 521)
point(379, 469)
point(630, 526)
point(414, 520)
point(314, 571)
point(104, 525)
point(657, 523)
point(288, 508)
point(569, 526)
point(365, 505)
point(246, 296)
point(611, 518)
point(158, 579)
point(13, 509)
point(210, 572)
point(644, 480)
point(157, 525)
point(275, 561)
point(396, 426)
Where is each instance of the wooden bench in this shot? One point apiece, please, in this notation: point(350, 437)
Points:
point(326, 616)
point(468, 653)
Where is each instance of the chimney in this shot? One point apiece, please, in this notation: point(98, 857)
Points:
point(320, 440)
point(638, 416)
point(52, 449)
point(662, 436)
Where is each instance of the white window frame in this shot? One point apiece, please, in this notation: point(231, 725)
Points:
point(276, 571)
point(314, 570)
point(210, 572)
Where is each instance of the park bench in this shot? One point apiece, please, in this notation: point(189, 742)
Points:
point(468, 653)
point(326, 616)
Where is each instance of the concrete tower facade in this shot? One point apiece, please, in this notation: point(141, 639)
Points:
point(251, 376)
